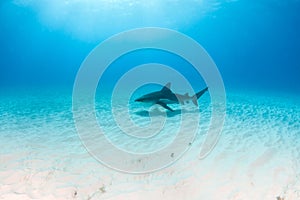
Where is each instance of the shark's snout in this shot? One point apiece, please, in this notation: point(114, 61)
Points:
point(139, 100)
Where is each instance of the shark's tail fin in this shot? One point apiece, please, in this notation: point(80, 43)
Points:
point(198, 95)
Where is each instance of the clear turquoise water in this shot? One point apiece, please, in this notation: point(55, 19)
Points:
point(42, 156)
point(256, 47)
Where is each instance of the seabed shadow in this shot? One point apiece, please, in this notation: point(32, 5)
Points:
point(157, 112)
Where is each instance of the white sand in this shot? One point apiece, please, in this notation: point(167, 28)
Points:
point(257, 157)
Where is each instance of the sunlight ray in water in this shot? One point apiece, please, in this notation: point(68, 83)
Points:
point(90, 20)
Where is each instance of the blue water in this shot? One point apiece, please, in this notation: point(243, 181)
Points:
point(255, 46)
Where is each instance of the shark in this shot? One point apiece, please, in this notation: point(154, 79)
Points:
point(165, 96)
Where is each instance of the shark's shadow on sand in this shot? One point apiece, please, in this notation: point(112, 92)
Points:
point(157, 112)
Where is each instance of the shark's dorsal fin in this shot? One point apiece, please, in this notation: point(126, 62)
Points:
point(186, 94)
point(166, 88)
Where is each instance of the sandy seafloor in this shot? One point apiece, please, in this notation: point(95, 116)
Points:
point(257, 156)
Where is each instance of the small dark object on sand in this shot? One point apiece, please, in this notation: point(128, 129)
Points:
point(102, 189)
point(75, 194)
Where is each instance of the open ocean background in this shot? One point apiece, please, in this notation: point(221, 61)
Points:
point(256, 46)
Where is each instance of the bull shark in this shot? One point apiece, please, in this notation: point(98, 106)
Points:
point(166, 96)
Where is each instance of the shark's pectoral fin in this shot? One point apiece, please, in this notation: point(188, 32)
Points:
point(164, 105)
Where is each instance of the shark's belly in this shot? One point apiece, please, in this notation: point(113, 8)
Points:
point(168, 101)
